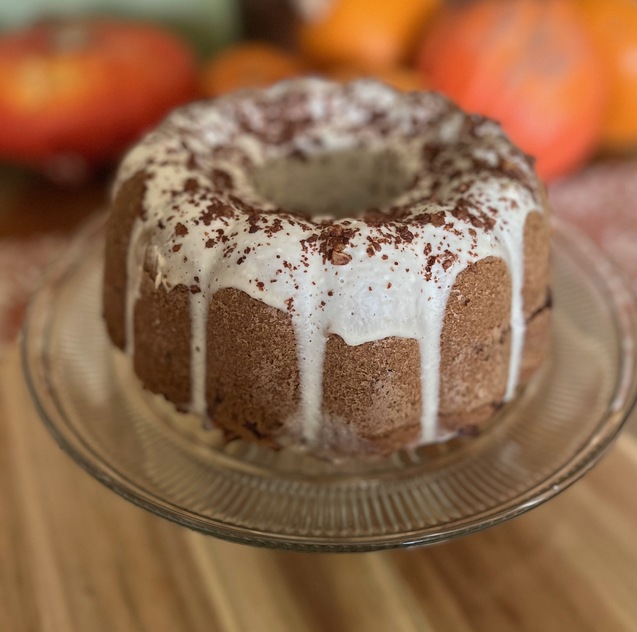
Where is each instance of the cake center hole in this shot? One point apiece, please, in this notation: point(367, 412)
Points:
point(339, 184)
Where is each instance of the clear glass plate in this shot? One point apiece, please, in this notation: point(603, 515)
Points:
point(135, 444)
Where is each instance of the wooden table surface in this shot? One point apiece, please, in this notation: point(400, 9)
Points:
point(75, 557)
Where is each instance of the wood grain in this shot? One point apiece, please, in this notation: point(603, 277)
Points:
point(75, 557)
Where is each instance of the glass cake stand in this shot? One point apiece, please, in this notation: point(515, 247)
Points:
point(167, 463)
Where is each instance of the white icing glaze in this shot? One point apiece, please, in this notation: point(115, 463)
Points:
point(388, 279)
point(134, 274)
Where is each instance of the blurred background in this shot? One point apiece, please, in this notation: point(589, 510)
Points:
point(80, 80)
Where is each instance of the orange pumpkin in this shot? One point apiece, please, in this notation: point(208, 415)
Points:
point(531, 65)
point(248, 65)
point(364, 33)
point(87, 88)
point(613, 24)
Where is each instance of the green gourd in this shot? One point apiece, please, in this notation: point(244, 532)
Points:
point(208, 24)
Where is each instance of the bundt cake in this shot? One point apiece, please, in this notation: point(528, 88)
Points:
point(341, 268)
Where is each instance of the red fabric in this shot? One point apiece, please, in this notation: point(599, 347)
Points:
point(602, 201)
point(22, 262)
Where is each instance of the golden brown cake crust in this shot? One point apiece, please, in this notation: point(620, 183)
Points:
point(371, 391)
point(372, 399)
point(126, 208)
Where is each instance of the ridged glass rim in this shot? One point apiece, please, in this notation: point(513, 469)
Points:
point(567, 241)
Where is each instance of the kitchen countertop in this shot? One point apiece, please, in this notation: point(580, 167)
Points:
point(76, 557)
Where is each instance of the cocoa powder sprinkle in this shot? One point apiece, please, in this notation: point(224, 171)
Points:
point(340, 258)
